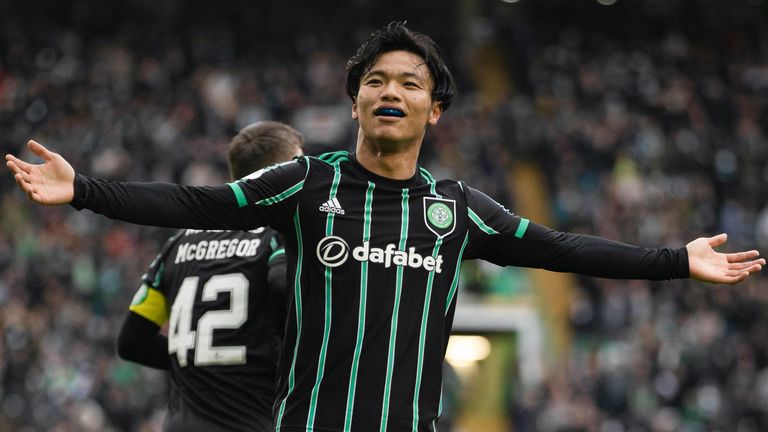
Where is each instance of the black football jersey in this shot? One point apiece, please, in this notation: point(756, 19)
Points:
point(223, 331)
point(373, 271)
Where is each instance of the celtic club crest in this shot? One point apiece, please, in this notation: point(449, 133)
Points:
point(440, 215)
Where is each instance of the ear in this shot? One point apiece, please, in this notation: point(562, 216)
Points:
point(434, 113)
point(354, 110)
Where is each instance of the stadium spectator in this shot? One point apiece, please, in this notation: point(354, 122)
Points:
point(104, 90)
point(399, 86)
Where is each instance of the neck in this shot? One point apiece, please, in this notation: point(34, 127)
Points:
point(396, 161)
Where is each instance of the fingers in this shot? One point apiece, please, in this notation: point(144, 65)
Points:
point(28, 188)
point(732, 277)
point(20, 173)
point(12, 165)
point(23, 185)
point(744, 265)
point(17, 165)
point(40, 150)
point(23, 178)
point(741, 256)
point(740, 277)
point(748, 270)
point(735, 276)
point(754, 268)
point(718, 240)
point(20, 181)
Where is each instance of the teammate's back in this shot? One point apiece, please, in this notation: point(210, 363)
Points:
point(224, 325)
point(223, 297)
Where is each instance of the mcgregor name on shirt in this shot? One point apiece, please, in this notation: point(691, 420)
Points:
point(205, 250)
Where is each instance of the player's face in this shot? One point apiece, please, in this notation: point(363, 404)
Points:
point(394, 103)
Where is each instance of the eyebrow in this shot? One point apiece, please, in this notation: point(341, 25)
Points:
point(398, 75)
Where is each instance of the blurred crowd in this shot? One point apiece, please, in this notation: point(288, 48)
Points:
point(653, 140)
point(122, 97)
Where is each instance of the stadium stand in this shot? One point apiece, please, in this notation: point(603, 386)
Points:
point(649, 132)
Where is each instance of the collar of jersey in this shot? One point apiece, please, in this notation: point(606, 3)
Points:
point(414, 181)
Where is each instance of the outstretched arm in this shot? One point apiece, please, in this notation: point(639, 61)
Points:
point(707, 265)
point(50, 183)
point(54, 182)
point(506, 239)
point(269, 198)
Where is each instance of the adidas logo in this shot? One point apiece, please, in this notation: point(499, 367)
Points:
point(332, 206)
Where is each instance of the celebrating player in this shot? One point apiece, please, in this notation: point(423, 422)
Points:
point(223, 294)
point(374, 245)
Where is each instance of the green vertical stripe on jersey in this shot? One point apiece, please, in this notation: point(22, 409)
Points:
point(367, 213)
point(422, 338)
point(479, 222)
point(426, 174)
point(456, 275)
point(241, 201)
point(297, 301)
point(429, 179)
point(521, 228)
point(395, 310)
point(328, 308)
point(282, 195)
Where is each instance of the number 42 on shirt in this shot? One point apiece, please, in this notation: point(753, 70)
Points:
point(182, 337)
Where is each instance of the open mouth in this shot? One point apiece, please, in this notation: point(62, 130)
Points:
point(389, 112)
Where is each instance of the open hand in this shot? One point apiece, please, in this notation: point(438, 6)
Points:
point(50, 183)
point(705, 264)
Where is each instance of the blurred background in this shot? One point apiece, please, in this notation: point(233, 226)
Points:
point(638, 120)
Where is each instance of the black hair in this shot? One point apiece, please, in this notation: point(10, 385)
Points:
point(260, 145)
point(394, 37)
